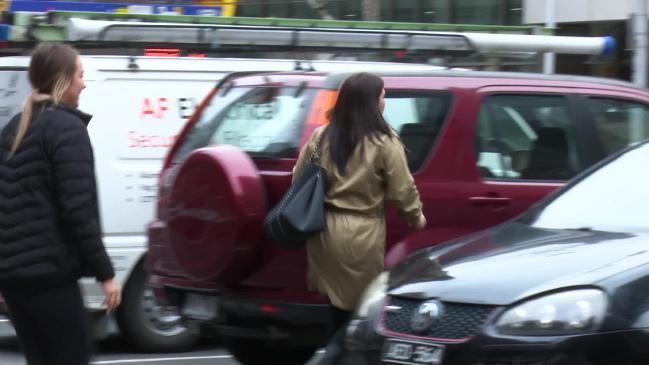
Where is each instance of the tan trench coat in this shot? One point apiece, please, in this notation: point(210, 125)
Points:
point(348, 254)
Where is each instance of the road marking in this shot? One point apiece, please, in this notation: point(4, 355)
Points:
point(125, 361)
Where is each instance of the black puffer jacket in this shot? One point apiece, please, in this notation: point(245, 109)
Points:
point(49, 218)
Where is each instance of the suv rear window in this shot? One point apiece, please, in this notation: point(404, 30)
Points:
point(262, 121)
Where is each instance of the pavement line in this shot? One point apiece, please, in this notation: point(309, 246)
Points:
point(125, 361)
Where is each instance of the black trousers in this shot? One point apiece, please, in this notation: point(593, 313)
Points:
point(51, 324)
point(339, 318)
point(335, 350)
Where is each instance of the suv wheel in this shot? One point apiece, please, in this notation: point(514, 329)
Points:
point(148, 325)
point(258, 352)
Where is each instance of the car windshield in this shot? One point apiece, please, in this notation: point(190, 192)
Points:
point(614, 198)
point(263, 121)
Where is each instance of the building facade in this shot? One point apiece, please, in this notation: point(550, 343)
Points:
point(491, 12)
point(573, 18)
point(449, 12)
point(589, 18)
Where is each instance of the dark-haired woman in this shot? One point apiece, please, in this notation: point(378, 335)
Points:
point(49, 217)
point(366, 168)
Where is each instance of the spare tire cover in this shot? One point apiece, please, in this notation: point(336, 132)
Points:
point(215, 216)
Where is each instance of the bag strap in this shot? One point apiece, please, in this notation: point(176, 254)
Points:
point(315, 155)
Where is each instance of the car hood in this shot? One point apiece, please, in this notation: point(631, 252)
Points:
point(514, 261)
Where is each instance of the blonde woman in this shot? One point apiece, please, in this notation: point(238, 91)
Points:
point(49, 219)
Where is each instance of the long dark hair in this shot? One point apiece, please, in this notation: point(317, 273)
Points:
point(51, 70)
point(355, 118)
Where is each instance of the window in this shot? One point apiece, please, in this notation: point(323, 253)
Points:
point(303, 10)
point(619, 123)
point(263, 121)
point(526, 137)
point(404, 11)
point(435, 11)
point(279, 9)
point(478, 12)
point(420, 11)
point(613, 198)
point(253, 10)
point(515, 12)
point(417, 117)
point(351, 10)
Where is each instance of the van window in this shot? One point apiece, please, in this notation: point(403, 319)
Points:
point(529, 137)
point(263, 121)
point(619, 123)
point(14, 88)
point(417, 117)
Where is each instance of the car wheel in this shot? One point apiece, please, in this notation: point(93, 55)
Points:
point(258, 352)
point(148, 325)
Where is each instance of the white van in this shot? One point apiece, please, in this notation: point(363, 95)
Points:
point(139, 105)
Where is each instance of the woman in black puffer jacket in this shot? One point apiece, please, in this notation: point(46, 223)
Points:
point(49, 220)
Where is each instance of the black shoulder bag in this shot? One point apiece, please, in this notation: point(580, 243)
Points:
point(300, 213)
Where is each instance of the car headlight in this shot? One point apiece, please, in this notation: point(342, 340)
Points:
point(373, 296)
point(565, 313)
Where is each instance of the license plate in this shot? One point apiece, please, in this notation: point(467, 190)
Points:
point(204, 307)
point(411, 352)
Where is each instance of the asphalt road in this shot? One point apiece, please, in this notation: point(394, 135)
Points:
point(114, 351)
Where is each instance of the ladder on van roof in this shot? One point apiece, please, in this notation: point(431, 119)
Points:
point(91, 29)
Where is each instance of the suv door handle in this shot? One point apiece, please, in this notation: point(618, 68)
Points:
point(489, 200)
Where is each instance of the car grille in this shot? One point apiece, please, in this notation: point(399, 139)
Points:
point(459, 321)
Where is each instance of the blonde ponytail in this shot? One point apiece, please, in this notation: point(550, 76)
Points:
point(61, 85)
point(23, 125)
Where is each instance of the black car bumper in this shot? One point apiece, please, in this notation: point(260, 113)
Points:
point(625, 347)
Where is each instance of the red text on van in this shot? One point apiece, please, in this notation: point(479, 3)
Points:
point(158, 107)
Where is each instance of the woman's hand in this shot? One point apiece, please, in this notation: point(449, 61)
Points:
point(112, 294)
point(421, 222)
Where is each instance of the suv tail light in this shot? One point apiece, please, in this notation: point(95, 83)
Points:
point(323, 102)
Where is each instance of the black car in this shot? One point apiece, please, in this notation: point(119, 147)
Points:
point(565, 283)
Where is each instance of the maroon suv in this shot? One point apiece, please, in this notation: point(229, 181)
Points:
point(483, 147)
